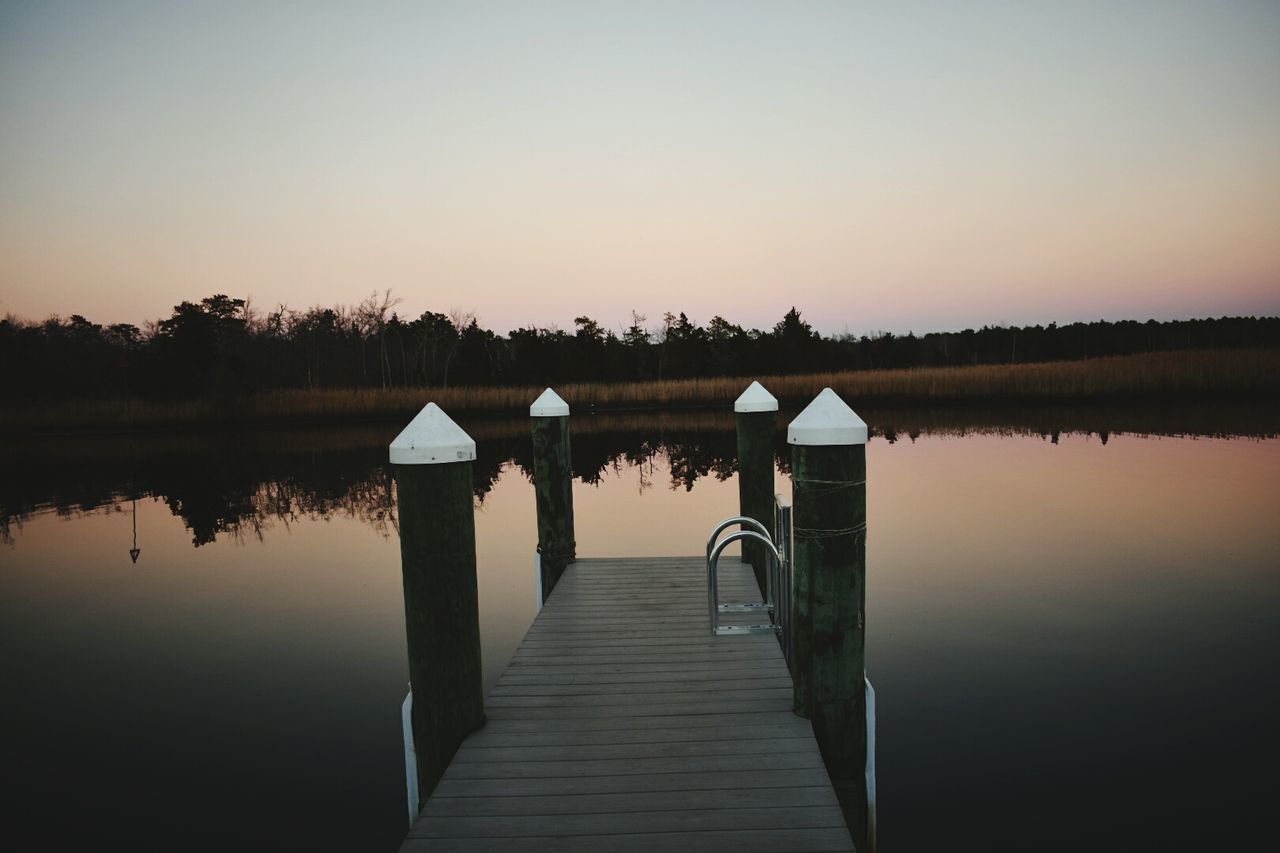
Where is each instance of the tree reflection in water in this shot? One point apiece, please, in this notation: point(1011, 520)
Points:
point(246, 483)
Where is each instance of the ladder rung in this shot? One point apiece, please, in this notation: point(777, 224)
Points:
point(743, 607)
point(746, 629)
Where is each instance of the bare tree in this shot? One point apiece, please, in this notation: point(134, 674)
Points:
point(369, 320)
point(662, 336)
point(460, 320)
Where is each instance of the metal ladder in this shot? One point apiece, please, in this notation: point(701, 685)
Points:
point(777, 604)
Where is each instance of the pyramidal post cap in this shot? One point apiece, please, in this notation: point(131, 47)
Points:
point(432, 438)
point(548, 405)
point(827, 420)
point(756, 399)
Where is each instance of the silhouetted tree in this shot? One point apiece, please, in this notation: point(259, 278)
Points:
point(220, 347)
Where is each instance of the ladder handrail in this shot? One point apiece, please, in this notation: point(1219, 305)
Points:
point(745, 521)
point(713, 559)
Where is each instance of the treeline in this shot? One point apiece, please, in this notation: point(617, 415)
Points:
point(221, 347)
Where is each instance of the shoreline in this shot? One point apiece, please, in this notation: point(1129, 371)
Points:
point(1238, 375)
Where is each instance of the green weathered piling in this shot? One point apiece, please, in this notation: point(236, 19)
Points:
point(756, 414)
point(553, 487)
point(432, 459)
point(828, 474)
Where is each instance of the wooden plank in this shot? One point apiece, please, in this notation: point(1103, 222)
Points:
point(534, 663)
point(630, 766)
point(569, 684)
point(605, 617)
point(718, 798)
point(486, 738)
point(655, 586)
point(633, 677)
point(730, 648)
point(560, 752)
point(616, 823)
point(515, 723)
point(692, 623)
point(622, 673)
point(667, 683)
point(740, 841)
point(525, 699)
point(666, 708)
point(698, 643)
point(565, 786)
point(623, 654)
point(604, 623)
point(655, 582)
point(601, 670)
point(586, 657)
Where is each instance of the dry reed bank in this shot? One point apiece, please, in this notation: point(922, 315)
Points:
point(1193, 374)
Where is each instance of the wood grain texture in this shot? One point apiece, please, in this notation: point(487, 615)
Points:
point(622, 724)
point(442, 622)
point(830, 498)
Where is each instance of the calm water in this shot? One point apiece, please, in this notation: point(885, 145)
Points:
point(1073, 630)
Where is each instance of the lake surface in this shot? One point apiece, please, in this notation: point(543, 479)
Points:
point(1073, 621)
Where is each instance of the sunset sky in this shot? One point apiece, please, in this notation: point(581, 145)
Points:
point(881, 166)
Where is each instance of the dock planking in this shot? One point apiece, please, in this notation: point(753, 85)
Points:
point(621, 724)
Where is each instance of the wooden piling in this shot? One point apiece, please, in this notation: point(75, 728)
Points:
point(432, 459)
point(829, 467)
point(553, 487)
point(756, 416)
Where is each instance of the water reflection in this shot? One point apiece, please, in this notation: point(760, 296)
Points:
point(237, 484)
point(244, 484)
point(1053, 628)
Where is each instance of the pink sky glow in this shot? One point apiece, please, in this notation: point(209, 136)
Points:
point(923, 167)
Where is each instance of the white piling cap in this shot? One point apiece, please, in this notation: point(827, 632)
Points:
point(756, 399)
point(432, 438)
point(827, 420)
point(549, 405)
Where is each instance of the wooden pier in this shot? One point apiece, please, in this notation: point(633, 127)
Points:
point(629, 718)
point(621, 724)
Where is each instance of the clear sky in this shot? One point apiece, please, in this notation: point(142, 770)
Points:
point(882, 166)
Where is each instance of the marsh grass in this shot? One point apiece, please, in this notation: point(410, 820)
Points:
point(1194, 374)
